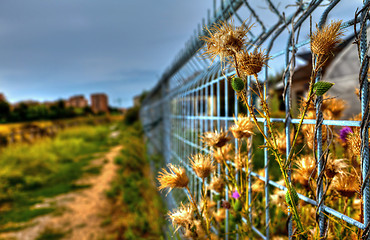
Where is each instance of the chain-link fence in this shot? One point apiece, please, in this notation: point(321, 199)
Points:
point(194, 96)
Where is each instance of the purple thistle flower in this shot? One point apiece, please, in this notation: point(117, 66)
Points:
point(236, 194)
point(344, 133)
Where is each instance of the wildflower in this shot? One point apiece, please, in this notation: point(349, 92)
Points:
point(216, 139)
point(225, 40)
point(250, 63)
point(346, 185)
point(306, 169)
point(217, 184)
point(335, 167)
point(354, 142)
point(344, 132)
point(174, 178)
point(182, 217)
point(235, 194)
point(224, 153)
point(243, 127)
point(202, 165)
point(324, 40)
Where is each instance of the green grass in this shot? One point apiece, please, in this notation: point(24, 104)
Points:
point(51, 234)
point(134, 191)
point(30, 173)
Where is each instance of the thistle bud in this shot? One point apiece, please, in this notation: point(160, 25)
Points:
point(237, 206)
point(226, 204)
point(237, 84)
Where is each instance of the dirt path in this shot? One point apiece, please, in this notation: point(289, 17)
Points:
point(83, 212)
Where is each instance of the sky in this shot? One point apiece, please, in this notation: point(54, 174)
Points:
point(60, 48)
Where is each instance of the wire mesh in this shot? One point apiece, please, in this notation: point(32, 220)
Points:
point(193, 95)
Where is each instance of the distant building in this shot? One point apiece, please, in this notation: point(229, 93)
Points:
point(78, 101)
point(99, 103)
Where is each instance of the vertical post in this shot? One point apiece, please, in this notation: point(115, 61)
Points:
point(364, 111)
point(226, 105)
point(249, 99)
point(288, 122)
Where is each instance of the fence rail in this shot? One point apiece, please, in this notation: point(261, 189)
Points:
point(193, 95)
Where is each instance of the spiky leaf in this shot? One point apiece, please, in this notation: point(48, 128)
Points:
point(322, 87)
point(294, 197)
point(237, 84)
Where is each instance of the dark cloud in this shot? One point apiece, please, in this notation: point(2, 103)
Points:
point(51, 49)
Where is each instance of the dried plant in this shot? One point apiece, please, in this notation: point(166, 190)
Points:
point(174, 178)
point(215, 139)
point(224, 153)
point(326, 39)
point(229, 43)
point(225, 40)
point(335, 167)
point(250, 63)
point(346, 185)
point(243, 127)
point(202, 165)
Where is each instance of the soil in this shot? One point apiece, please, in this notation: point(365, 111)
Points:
point(83, 214)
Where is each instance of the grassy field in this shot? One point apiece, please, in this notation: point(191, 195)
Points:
point(140, 211)
point(30, 173)
point(5, 128)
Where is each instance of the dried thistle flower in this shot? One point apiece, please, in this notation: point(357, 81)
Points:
point(258, 186)
point(202, 165)
point(323, 41)
point(281, 141)
point(217, 184)
point(357, 91)
point(201, 233)
point(225, 40)
point(358, 117)
point(250, 63)
point(354, 142)
point(309, 134)
point(333, 108)
point(240, 161)
point(335, 167)
point(278, 198)
point(346, 185)
point(243, 127)
point(174, 178)
point(220, 215)
point(182, 217)
point(306, 168)
point(224, 153)
point(215, 139)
